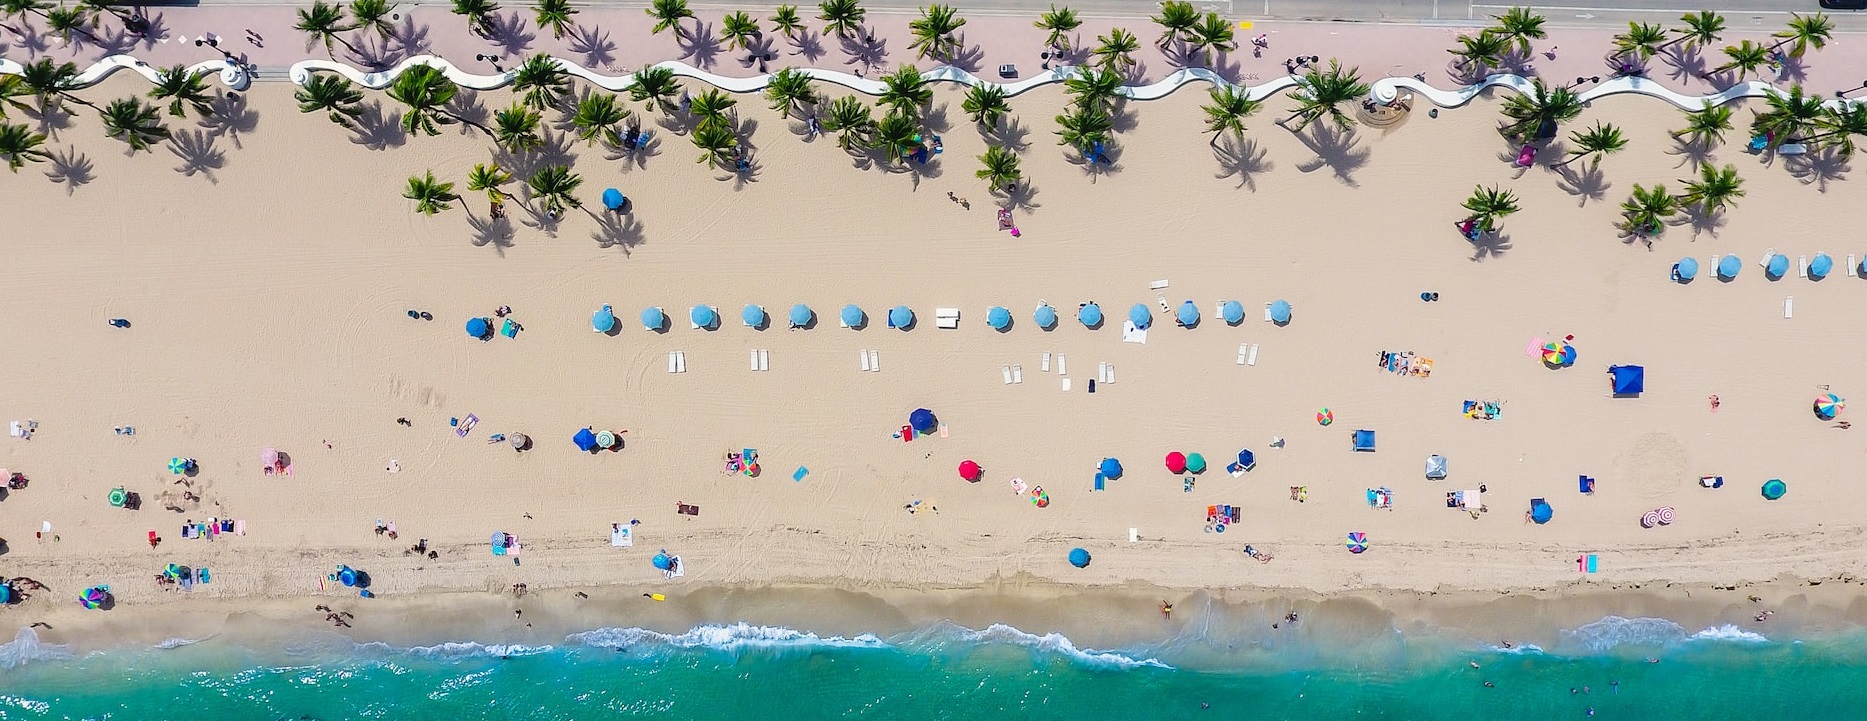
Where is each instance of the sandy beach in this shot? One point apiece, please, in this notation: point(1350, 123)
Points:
point(267, 279)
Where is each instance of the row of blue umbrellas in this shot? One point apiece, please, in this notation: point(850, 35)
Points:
point(901, 316)
point(1776, 267)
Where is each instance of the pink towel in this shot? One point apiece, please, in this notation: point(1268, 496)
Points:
point(239, 528)
point(1535, 349)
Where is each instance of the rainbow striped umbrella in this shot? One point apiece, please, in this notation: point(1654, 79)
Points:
point(1357, 542)
point(1558, 354)
point(95, 597)
point(1828, 405)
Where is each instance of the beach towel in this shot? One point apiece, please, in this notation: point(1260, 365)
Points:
point(1131, 334)
point(622, 536)
point(686, 509)
point(466, 425)
point(676, 569)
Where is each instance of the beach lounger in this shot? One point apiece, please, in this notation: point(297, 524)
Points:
point(1062, 370)
point(1102, 371)
point(466, 425)
point(1852, 268)
point(1789, 307)
point(943, 430)
point(1787, 149)
point(1066, 385)
point(1100, 481)
point(1157, 285)
point(1134, 535)
point(754, 359)
point(1251, 359)
point(1802, 266)
point(1007, 371)
point(673, 364)
point(863, 356)
point(680, 361)
point(1764, 262)
point(875, 361)
point(1593, 563)
point(1161, 300)
point(1243, 348)
point(1046, 366)
point(1017, 374)
point(1267, 313)
point(947, 318)
point(1110, 378)
point(764, 360)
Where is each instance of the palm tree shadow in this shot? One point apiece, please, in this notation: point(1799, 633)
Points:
point(54, 119)
point(71, 169)
point(1587, 184)
point(1135, 74)
point(410, 39)
point(1818, 168)
point(1011, 134)
point(1794, 69)
point(35, 43)
point(969, 57)
point(743, 178)
point(117, 41)
point(1245, 159)
point(467, 107)
point(376, 52)
point(594, 45)
point(538, 218)
point(1225, 67)
point(196, 150)
point(496, 232)
point(1335, 149)
point(556, 150)
point(1023, 196)
point(935, 119)
point(1123, 119)
point(702, 47)
point(1692, 153)
point(1687, 66)
point(1701, 222)
point(636, 157)
point(617, 230)
point(809, 44)
point(510, 35)
point(1490, 245)
point(1110, 163)
point(232, 117)
point(377, 130)
point(865, 51)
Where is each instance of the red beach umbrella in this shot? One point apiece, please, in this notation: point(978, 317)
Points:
point(970, 470)
point(1176, 462)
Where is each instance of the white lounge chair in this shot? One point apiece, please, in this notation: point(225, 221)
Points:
point(1062, 370)
point(1046, 366)
point(1007, 370)
point(1243, 348)
point(1252, 359)
point(863, 356)
point(875, 361)
point(947, 318)
point(1017, 374)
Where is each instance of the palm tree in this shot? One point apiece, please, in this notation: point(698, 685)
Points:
point(653, 86)
point(1230, 106)
point(1745, 58)
point(323, 21)
point(1488, 206)
point(1542, 106)
point(1707, 124)
point(1790, 115)
point(1644, 213)
point(335, 94)
point(50, 82)
point(739, 30)
point(933, 32)
point(1058, 21)
point(373, 14)
point(850, 120)
point(986, 104)
point(134, 122)
point(668, 14)
point(1701, 29)
point(1843, 124)
point(182, 88)
point(1603, 139)
point(1094, 88)
point(895, 133)
point(431, 196)
point(11, 88)
point(1000, 168)
point(1641, 40)
point(540, 81)
point(479, 15)
point(516, 129)
point(716, 144)
point(487, 178)
point(1803, 32)
point(1212, 33)
point(1176, 20)
point(1479, 51)
point(426, 92)
point(20, 8)
point(19, 145)
point(790, 91)
point(132, 23)
point(1083, 127)
point(597, 114)
point(785, 21)
point(1320, 93)
point(555, 14)
point(552, 186)
point(1116, 49)
point(712, 107)
point(1518, 26)
point(65, 20)
point(841, 16)
point(905, 91)
point(1715, 189)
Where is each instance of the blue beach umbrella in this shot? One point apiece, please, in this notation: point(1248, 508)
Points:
point(347, 575)
point(479, 328)
point(1688, 268)
point(1233, 312)
point(1819, 267)
point(612, 199)
point(1187, 314)
point(1779, 265)
point(653, 318)
point(1079, 557)
point(1090, 314)
point(998, 318)
point(852, 316)
point(1110, 468)
point(753, 315)
point(1280, 312)
point(923, 420)
point(1728, 266)
point(900, 317)
point(801, 315)
point(1140, 316)
point(603, 320)
point(662, 561)
point(1540, 512)
point(585, 440)
point(703, 316)
point(1045, 316)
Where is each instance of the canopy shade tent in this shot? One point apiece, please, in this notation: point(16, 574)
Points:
point(603, 320)
point(1362, 440)
point(1628, 380)
point(1821, 265)
point(753, 315)
point(1540, 512)
point(653, 318)
point(1110, 468)
point(612, 198)
point(1435, 467)
point(703, 316)
point(1728, 266)
point(585, 440)
point(1045, 316)
point(1774, 489)
point(479, 328)
point(1140, 316)
point(1090, 315)
point(1778, 266)
point(1686, 269)
point(852, 316)
point(801, 315)
point(901, 317)
point(970, 470)
point(1079, 557)
point(998, 318)
point(1280, 312)
point(1232, 312)
point(1187, 314)
point(1176, 462)
point(923, 420)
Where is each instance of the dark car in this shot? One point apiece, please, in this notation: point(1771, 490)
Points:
point(1844, 4)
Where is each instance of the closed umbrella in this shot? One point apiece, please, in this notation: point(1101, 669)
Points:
point(612, 198)
point(970, 470)
point(603, 320)
point(852, 316)
point(1187, 314)
point(1728, 266)
point(703, 316)
point(1045, 316)
point(1779, 265)
point(753, 315)
point(998, 318)
point(653, 318)
point(1280, 311)
point(901, 317)
point(1233, 312)
point(1090, 315)
point(1176, 462)
point(1687, 268)
point(1819, 267)
point(1110, 468)
point(479, 328)
point(1079, 557)
point(1140, 316)
point(1195, 463)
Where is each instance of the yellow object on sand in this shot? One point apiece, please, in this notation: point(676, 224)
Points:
point(658, 597)
point(1244, 25)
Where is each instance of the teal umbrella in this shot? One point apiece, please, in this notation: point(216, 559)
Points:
point(852, 316)
point(703, 316)
point(1187, 314)
point(753, 315)
point(1140, 316)
point(998, 318)
point(1280, 312)
point(900, 317)
point(653, 318)
point(801, 315)
point(1774, 489)
point(1045, 316)
point(1233, 312)
point(604, 320)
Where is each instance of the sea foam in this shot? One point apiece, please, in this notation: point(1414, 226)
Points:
point(1053, 643)
point(730, 637)
point(25, 648)
point(456, 650)
point(1614, 632)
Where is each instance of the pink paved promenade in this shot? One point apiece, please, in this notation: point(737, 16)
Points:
point(618, 40)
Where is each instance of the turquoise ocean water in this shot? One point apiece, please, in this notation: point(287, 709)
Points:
point(949, 672)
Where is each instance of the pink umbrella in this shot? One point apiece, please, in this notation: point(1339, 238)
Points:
point(1176, 462)
point(970, 470)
